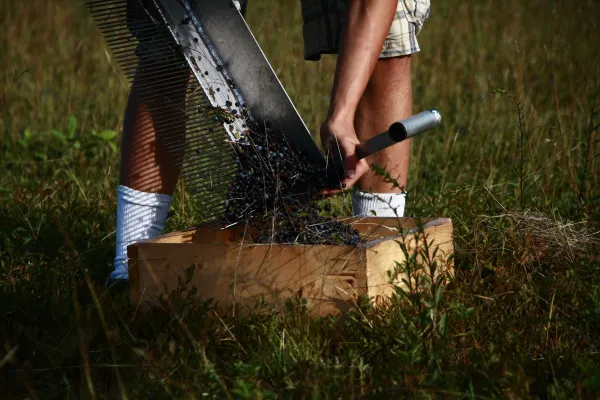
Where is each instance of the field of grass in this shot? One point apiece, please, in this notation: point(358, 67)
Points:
point(516, 165)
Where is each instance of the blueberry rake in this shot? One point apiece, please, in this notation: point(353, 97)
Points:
point(232, 86)
point(205, 72)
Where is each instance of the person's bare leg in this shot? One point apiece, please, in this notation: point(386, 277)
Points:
point(146, 165)
point(387, 99)
point(155, 115)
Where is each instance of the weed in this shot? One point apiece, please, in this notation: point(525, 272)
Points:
point(588, 155)
point(521, 138)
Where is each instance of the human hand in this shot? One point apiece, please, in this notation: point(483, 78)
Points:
point(339, 135)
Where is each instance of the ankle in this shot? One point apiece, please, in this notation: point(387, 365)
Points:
point(368, 204)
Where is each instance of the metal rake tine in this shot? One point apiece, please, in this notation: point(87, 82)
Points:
point(123, 30)
point(206, 171)
point(197, 145)
point(117, 48)
point(107, 10)
point(194, 144)
point(221, 157)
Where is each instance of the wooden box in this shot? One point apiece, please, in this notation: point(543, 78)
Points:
point(238, 273)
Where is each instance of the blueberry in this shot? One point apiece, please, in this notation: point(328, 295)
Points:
point(280, 189)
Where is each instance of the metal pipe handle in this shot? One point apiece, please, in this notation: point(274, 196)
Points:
point(398, 132)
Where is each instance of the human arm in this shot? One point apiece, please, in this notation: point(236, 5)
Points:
point(366, 26)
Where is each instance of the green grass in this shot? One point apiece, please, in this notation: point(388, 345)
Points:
point(516, 169)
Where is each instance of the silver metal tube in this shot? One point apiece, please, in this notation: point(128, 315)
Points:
point(398, 132)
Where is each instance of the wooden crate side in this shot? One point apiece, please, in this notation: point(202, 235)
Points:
point(206, 233)
point(383, 255)
point(328, 277)
point(374, 228)
point(370, 227)
point(184, 236)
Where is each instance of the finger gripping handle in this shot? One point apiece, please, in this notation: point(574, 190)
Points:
point(398, 132)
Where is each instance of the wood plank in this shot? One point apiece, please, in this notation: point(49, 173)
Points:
point(328, 277)
point(383, 254)
point(369, 227)
point(205, 233)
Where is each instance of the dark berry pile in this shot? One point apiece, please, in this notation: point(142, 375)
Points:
point(274, 191)
point(309, 229)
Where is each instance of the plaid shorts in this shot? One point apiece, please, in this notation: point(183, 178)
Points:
point(323, 24)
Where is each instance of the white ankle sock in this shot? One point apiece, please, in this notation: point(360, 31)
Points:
point(140, 215)
point(378, 204)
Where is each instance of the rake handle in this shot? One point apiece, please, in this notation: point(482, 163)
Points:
point(398, 132)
